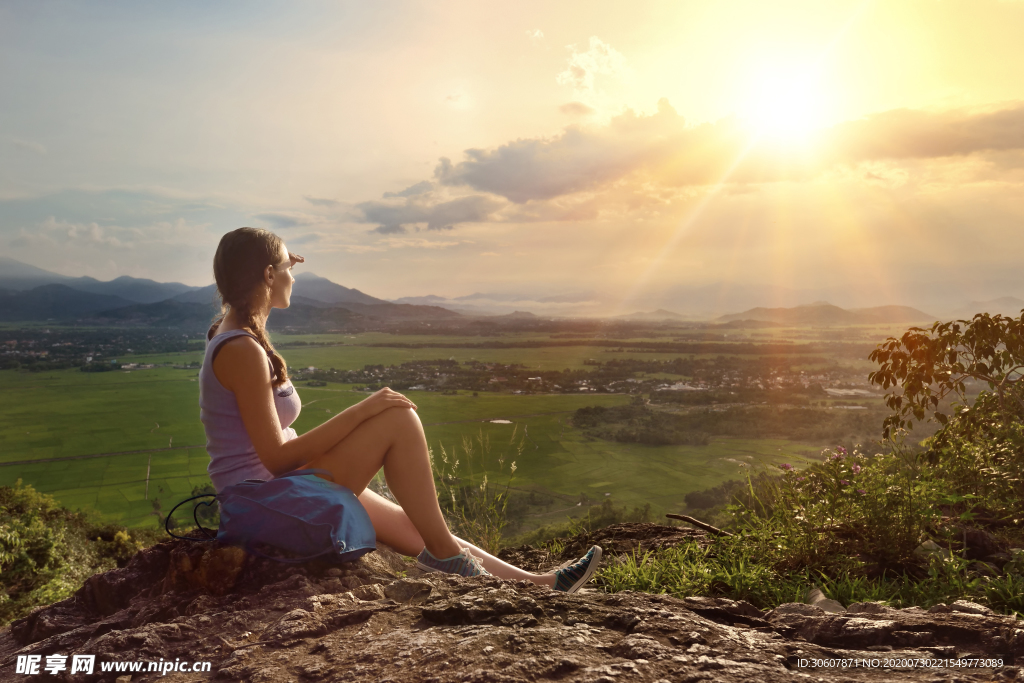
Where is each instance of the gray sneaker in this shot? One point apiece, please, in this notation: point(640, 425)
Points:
point(463, 564)
point(570, 579)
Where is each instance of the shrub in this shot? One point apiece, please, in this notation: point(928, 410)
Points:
point(46, 551)
point(477, 512)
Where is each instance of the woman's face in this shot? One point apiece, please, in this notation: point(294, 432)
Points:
point(281, 279)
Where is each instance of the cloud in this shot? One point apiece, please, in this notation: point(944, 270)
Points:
point(394, 218)
point(283, 220)
point(392, 229)
point(906, 133)
point(583, 68)
point(317, 201)
point(576, 109)
point(584, 158)
point(24, 239)
point(28, 145)
point(149, 211)
point(535, 34)
point(82, 235)
point(420, 243)
point(661, 150)
point(308, 238)
point(413, 190)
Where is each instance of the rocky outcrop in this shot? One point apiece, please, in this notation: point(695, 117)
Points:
point(377, 620)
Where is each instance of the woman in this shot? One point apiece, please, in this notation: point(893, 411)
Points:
point(247, 404)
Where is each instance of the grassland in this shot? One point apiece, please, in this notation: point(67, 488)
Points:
point(65, 414)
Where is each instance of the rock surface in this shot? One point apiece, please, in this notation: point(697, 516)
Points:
point(377, 620)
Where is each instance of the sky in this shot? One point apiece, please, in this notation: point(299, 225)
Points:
point(603, 156)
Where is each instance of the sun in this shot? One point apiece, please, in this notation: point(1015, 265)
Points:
point(785, 105)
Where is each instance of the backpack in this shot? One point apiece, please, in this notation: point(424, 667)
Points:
point(297, 512)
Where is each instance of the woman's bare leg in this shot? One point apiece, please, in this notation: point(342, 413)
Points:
point(394, 528)
point(394, 440)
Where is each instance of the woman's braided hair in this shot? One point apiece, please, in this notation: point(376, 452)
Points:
point(238, 266)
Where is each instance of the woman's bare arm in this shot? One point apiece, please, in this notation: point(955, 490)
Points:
point(241, 366)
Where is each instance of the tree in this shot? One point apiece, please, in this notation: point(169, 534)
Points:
point(925, 366)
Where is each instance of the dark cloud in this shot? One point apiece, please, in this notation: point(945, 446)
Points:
point(576, 109)
point(317, 201)
point(419, 188)
point(281, 220)
point(392, 229)
point(394, 217)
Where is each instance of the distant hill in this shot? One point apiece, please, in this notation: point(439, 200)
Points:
point(306, 301)
point(892, 314)
point(316, 302)
point(336, 317)
point(427, 300)
point(309, 289)
point(517, 315)
point(58, 302)
point(203, 295)
point(660, 314)
point(746, 325)
point(1007, 305)
point(169, 313)
point(23, 277)
point(823, 313)
point(139, 290)
point(321, 289)
point(390, 311)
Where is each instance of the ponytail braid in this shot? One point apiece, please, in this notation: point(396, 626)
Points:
point(238, 266)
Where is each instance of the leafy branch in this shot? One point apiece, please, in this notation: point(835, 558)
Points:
point(929, 365)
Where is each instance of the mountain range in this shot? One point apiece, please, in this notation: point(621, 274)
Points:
point(31, 293)
point(28, 293)
point(824, 313)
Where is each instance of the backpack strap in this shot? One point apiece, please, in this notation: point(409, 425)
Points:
point(210, 536)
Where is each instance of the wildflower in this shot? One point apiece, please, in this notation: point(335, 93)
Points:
point(513, 467)
point(786, 466)
point(483, 484)
point(843, 482)
point(855, 468)
point(800, 478)
point(861, 492)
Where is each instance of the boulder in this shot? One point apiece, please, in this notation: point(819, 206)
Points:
point(377, 619)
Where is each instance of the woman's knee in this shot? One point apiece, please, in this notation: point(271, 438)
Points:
point(396, 421)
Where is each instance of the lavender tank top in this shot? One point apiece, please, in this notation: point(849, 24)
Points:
point(232, 456)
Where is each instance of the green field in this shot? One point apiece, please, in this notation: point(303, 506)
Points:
point(68, 413)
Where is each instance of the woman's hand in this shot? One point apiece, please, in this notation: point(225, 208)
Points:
point(377, 402)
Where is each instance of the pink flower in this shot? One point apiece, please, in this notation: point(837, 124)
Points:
point(855, 468)
point(786, 466)
point(861, 491)
point(843, 482)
